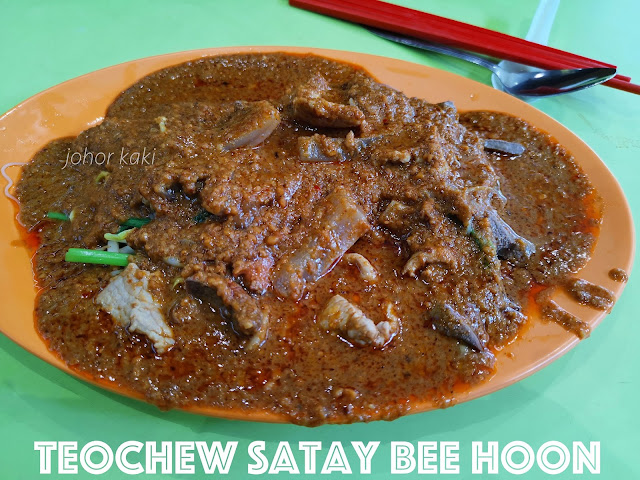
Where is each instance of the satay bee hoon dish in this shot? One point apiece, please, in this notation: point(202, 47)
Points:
point(275, 235)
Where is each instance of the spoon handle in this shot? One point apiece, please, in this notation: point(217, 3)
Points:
point(438, 48)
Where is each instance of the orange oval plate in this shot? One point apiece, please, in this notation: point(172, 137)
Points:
point(71, 107)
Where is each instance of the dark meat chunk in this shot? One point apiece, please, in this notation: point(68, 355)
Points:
point(310, 107)
point(502, 146)
point(476, 209)
point(248, 125)
point(233, 303)
point(509, 245)
point(449, 322)
point(338, 224)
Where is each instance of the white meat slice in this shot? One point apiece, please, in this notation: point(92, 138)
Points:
point(128, 300)
point(344, 318)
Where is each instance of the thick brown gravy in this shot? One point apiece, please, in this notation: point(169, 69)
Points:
point(317, 244)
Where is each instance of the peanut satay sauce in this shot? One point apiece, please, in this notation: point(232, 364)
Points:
point(309, 375)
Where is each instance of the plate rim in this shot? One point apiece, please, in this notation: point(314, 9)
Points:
point(369, 63)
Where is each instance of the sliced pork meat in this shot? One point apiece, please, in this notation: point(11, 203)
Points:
point(344, 318)
point(128, 300)
point(366, 270)
point(432, 255)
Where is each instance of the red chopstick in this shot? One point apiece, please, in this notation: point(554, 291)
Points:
point(621, 84)
point(457, 34)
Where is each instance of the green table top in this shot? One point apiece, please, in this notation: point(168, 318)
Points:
point(590, 394)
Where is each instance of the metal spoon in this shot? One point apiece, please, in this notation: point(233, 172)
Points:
point(536, 83)
point(539, 32)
